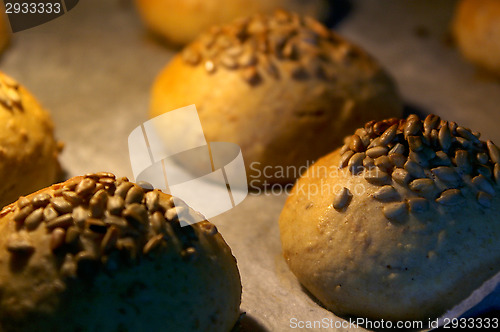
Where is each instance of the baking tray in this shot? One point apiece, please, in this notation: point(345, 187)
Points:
point(93, 68)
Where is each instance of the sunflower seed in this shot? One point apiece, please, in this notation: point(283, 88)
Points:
point(434, 138)
point(34, 219)
point(79, 215)
point(462, 161)
point(413, 125)
point(356, 163)
point(157, 222)
point(388, 135)
point(49, 213)
point(368, 163)
point(72, 234)
point(98, 203)
point(398, 148)
point(482, 158)
point(41, 200)
point(109, 240)
point(401, 176)
point(420, 158)
point(415, 143)
point(484, 199)
point(152, 201)
point(229, 62)
point(152, 244)
point(174, 213)
point(115, 205)
point(23, 213)
point(484, 171)
point(397, 159)
point(123, 189)
point(424, 187)
point(447, 175)
point(441, 159)
point(346, 157)
point(376, 142)
point(344, 149)
point(481, 183)
point(85, 187)
point(68, 268)
point(384, 163)
point(20, 243)
point(248, 59)
point(386, 194)
point(342, 199)
point(414, 169)
point(397, 212)
point(134, 195)
point(430, 123)
point(496, 173)
point(376, 151)
point(191, 56)
point(136, 214)
point(464, 144)
point(450, 197)
point(61, 205)
point(465, 133)
point(57, 238)
point(445, 138)
point(493, 151)
point(96, 225)
point(250, 75)
point(116, 221)
point(377, 177)
point(418, 204)
point(63, 221)
point(356, 144)
point(72, 197)
point(23, 202)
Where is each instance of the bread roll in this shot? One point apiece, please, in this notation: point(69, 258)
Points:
point(400, 224)
point(476, 29)
point(180, 22)
point(283, 87)
point(28, 150)
point(99, 254)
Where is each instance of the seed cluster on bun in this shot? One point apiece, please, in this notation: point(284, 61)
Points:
point(9, 94)
point(253, 45)
point(99, 221)
point(432, 158)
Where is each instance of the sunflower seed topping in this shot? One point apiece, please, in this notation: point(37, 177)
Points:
point(418, 204)
point(396, 212)
point(401, 176)
point(450, 197)
point(414, 169)
point(377, 177)
point(342, 199)
point(424, 187)
point(386, 194)
point(481, 183)
point(445, 138)
point(493, 152)
point(447, 175)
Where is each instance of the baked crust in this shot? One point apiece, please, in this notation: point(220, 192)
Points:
point(97, 253)
point(400, 246)
point(476, 28)
point(286, 92)
point(28, 150)
point(180, 22)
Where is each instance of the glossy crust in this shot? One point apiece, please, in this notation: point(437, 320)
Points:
point(147, 277)
point(476, 28)
point(28, 150)
point(285, 103)
point(180, 22)
point(360, 259)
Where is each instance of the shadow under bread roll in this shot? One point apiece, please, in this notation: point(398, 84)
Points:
point(28, 149)
point(97, 253)
point(282, 87)
point(402, 223)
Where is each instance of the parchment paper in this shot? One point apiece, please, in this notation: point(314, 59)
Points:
point(93, 68)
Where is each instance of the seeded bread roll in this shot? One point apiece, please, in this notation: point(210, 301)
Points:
point(99, 254)
point(401, 223)
point(476, 28)
point(283, 87)
point(180, 22)
point(28, 150)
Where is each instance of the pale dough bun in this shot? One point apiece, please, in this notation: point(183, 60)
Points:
point(180, 22)
point(476, 29)
point(28, 150)
point(97, 253)
point(283, 87)
point(409, 236)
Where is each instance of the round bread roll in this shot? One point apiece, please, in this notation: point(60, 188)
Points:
point(283, 87)
point(180, 22)
point(401, 223)
point(476, 28)
point(99, 254)
point(28, 150)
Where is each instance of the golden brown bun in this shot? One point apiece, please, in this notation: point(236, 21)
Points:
point(99, 254)
point(28, 150)
point(403, 240)
point(476, 28)
point(180, 22)
point(284, 99)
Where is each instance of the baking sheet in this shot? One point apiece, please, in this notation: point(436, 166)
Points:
point(93, 68)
